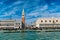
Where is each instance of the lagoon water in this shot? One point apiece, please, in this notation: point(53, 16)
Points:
point(30, 36)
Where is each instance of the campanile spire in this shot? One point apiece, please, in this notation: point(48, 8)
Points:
point(23, 12)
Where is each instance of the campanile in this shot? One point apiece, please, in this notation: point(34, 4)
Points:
point(23, 19)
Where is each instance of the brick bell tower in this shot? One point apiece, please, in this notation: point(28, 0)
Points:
point(23, 19)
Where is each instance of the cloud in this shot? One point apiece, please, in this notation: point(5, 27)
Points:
point(50, 15)
point(34, 9)
point(43, 12)
point(45, 7)
point(11, 9)
point(10, 12)
point(37, 11)
point(11, 6)
point(18, 2)
point(33, 14)
point(2, 2)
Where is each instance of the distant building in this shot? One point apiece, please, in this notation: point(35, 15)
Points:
point(48, 22)
point(33, 24)
point(9, 24)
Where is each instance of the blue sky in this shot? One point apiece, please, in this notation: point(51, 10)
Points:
point(34, 9)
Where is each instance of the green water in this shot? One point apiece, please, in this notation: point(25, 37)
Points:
point(30, 36)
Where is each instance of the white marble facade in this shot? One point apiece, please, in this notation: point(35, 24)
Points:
point(9, 24)
point(48, 22)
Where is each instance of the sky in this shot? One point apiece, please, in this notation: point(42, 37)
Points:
point(34, 9)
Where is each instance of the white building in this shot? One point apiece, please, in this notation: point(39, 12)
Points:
point(9, 24)
point(48, 22)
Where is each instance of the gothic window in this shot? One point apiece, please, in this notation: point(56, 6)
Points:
point(41, 20)
point(56, 20)
point(49, 20)
point(45, 20)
